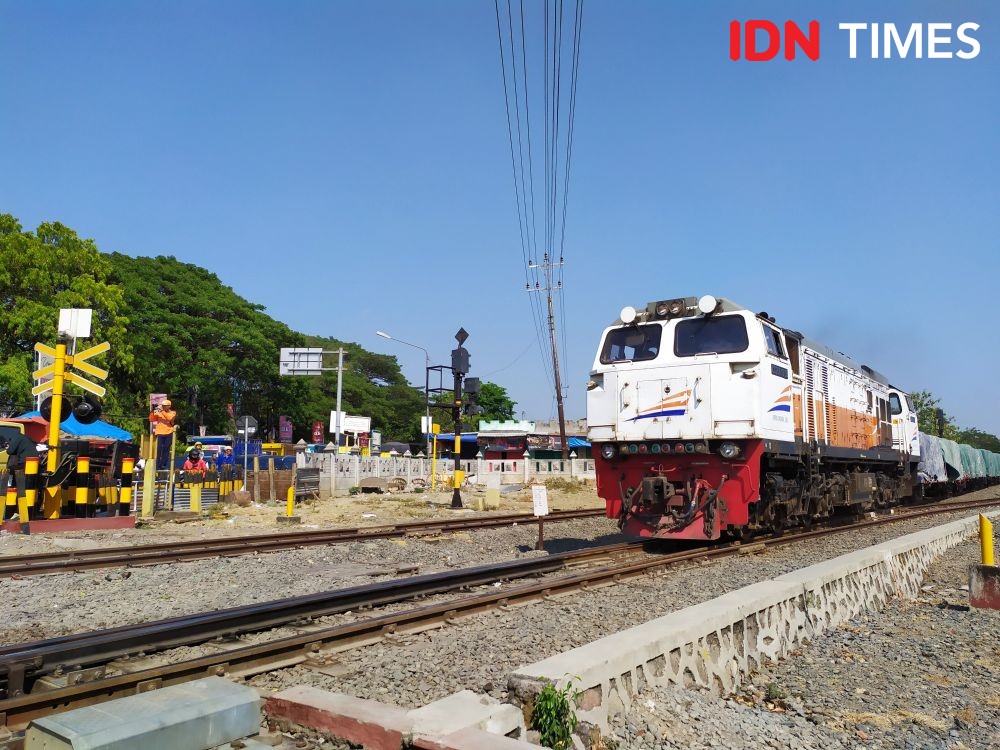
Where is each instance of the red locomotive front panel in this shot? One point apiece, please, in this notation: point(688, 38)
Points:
point(679, 490)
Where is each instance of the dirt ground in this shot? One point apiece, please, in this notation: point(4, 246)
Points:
point(371, 509)
point(366, 509)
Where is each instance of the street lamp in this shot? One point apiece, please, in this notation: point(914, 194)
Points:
point(427, 385)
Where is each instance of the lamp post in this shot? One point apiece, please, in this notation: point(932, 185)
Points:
point(427, 385)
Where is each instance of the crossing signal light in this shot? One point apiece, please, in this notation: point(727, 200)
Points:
point(46, 409)
point(460, 360)
point(88, 410)
point(472, 387)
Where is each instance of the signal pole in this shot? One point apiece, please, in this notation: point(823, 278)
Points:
point(548, 288)
point(459, 367)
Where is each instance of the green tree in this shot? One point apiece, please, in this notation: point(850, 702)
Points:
point(175, 327)
point(197, 340)
point(493, 398)
point(927, 407)
point(41, 272)
point(979, 439)
point(497, 405)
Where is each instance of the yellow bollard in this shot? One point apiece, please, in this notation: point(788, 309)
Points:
point(82, 485)
point(125, 496)
point(290, 502)
point(148, 489)
point(27, 503)
point(986, 539)
point(195, 496)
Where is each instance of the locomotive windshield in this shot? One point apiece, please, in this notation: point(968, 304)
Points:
point(717, 335)
point(631, 344)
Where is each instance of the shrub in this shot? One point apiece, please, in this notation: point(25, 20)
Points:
point(553, 716)
point(355, 490)
point(774, 692)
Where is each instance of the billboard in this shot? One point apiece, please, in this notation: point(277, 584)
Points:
point(350, 423)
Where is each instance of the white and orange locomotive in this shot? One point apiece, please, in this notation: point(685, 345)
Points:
point(707, 420)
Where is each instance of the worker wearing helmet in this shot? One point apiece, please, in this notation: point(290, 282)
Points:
point(162, 419)
point(195, 464)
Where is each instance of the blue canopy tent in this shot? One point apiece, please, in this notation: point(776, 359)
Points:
point(98, 429)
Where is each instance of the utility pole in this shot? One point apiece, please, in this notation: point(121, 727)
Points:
point(547, 266)
point(340, 372)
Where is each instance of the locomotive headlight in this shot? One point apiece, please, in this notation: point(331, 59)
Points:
point(608, 451)
point(729, 450)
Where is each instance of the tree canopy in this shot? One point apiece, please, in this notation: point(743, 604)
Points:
point(176, 328)
point(41, 272)
point(932, 419)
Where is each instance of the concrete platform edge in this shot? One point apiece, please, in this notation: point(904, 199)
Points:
point(713, 644)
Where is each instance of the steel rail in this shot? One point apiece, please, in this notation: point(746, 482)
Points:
point(166, 552)
point(79, 650)
point(241, 661)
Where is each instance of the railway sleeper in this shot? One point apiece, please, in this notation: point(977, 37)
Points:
point(57, 681)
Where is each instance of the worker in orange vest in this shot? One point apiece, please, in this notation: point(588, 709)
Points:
point(162, 419)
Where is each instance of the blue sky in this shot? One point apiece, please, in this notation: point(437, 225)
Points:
point(346, 165)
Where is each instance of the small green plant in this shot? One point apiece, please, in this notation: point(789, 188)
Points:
point(355, 490)
point(553, 716)
point(774, 692)
point(418, 490)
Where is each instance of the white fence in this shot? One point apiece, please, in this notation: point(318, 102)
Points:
point(339, 473)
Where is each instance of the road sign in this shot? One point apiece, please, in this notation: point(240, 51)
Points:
point(461, 336)
point(307, 361)
point(75, 322)
point(350, 423)
point(97, 390)
point(540, 499)
point(47, 369)
point(91, 352)
point(79, 361)
point(41, 388)
point(247, 426)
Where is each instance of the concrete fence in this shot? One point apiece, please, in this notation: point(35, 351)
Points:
point(339, 473)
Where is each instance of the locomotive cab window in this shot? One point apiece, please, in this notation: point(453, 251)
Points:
point(631, 344)
point(726, 334)
point(895, 405)
point(773, 340)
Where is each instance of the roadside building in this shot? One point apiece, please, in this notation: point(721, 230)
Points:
point(509, 440)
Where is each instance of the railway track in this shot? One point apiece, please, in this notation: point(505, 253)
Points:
point(168, 552)
point(72, 671)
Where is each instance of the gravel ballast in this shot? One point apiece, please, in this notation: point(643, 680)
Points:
point(45, 606)
point(921, 673)
point(479, 653)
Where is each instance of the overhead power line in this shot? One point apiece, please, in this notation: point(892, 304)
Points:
point(560, 70)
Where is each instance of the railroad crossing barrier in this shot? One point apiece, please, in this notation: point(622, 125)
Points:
point(85, 494)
